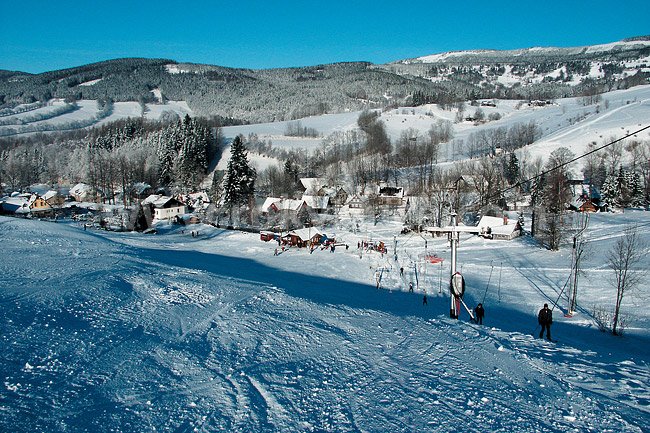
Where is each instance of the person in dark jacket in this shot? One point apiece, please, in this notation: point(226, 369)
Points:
point(545, 318)
point(480, 312)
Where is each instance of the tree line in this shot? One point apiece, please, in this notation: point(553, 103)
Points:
point(169, 156)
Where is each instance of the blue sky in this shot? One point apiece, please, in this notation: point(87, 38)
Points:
point(38, 36)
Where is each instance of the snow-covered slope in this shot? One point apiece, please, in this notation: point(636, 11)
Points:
point(58, 115)
point(565, 123)
point(571, 66)
point(540, 52)
point(128, 332)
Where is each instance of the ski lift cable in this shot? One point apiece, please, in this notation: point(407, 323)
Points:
point(499, 289)
point(561, 292)
point(518, 184)
point(488, 282)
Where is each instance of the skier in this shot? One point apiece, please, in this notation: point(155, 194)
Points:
point(401, 272)
point(479, 311)
point(411, 286)
point(545, 318)
point(424, 299)
point(276, 252)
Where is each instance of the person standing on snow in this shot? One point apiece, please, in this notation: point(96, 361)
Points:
point(545, 318)
point(480, 312)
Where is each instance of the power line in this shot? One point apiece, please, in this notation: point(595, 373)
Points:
point(518, 184)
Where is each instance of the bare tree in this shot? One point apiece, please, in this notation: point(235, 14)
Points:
point(555, 195)
point(624, 260)
point(614, 155)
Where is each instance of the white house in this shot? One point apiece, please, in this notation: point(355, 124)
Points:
point(82, 192)
point(317, 203)
point(499, 228)
point(312, 184)
point(164, 207)
point(282, 204)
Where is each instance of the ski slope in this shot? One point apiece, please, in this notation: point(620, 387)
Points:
point(565, 123)
point(110, 331)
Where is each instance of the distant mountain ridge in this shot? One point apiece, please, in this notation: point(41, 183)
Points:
point(291, 93)
point(625, 49)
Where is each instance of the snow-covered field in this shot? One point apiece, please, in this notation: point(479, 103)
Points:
point(566, 123)
point(128, 332)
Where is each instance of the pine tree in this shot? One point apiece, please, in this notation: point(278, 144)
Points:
point(610, 193)
point(239, 182)
point(622, 184)
point(512, 169)
point(636, 190)
point(192, 159)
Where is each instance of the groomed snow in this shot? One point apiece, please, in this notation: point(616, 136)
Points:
point(169, 332)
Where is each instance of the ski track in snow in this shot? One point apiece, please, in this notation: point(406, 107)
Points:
point(129, 335)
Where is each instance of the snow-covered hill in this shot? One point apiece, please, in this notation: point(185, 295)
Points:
point(538, 52)
point(57, 115)
point(564, 123)
point(573, 66)
point(290, 93)
point(109, 331)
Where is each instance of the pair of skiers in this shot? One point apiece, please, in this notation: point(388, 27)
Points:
point(545, 319)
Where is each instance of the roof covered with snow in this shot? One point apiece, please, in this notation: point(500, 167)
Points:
point(498, 225)
point(312, 184)
point(316, 201)
point(306, 233)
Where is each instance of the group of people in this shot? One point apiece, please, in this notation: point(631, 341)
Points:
point(544, 317)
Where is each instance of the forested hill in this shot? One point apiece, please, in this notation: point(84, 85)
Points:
point(290, 93)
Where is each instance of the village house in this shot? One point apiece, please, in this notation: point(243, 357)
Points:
point(305, 237)
point(38, 207)
point(141, 190)
point(317, 203)
point(312, 184)
point(337, 195)
point(316, 186)
point(82, 192)
point(390, 196)
point(356, 203)
point(266, 206)
point(275, 204)
point(498, 228)
point(267, 236)
point(15, 205)
point(53, 198)
point(588, 206)
point(164, 207)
